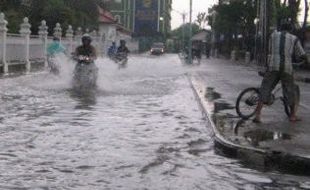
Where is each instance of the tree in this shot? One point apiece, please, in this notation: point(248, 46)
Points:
point(178, 32)
point(234, 22)
point(201, 19)
point(77, 13)
point(294, 6)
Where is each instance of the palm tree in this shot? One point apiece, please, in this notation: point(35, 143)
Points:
point(201, 19)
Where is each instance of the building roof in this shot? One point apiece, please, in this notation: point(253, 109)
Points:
point(106, 17)
point(202, 35)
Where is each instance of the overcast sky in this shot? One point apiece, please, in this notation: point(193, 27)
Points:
point(183, 5)
point(198, 6)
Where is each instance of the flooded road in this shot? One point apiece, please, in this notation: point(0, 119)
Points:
point(142, 129)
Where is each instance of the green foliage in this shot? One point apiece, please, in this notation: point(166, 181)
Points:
point(77, 13)
point(287, 11)
point(178, 32)
point(234, 17)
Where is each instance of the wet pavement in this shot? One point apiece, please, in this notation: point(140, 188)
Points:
point(142, 129)
point(219, 82)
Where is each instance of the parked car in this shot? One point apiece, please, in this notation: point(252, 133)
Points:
point(158, 48)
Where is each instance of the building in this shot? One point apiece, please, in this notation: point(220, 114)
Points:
point(165, 16)
point(111, 30)
point(202, 36)
point(143, 17)
point(123, 11)
point(203, 40)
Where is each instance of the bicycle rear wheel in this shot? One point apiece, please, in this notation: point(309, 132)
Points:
point(247, 102)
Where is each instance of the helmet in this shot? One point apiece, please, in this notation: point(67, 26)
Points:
point(86, 37)
point(122, 42)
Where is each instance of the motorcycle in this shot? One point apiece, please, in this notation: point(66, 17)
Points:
point(53, 65)
point(121, 59)
point(196, 57)
point(85, 74)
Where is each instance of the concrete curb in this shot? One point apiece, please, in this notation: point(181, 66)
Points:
point(256, 158)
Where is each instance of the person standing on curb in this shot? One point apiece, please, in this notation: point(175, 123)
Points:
point(283, 48)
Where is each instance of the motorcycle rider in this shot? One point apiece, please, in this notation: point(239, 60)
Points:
point(122, 53)
point(196, 51)
point(54, 49)
point(122, 49)
point(85, 55)
point(112, 50)
point(86, 49)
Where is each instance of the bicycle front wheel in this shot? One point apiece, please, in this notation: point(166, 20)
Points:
point(247, 102)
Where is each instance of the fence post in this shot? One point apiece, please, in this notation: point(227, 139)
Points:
point(43, 34)
point(25, 32)
point(58, 31)
point(78, 35)
point(233, 55)
point(247, 57)
point(216, 54)
point(69, 35)
point(3, 36)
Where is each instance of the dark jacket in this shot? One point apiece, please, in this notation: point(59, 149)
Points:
point(89, 51)
point(122, 49)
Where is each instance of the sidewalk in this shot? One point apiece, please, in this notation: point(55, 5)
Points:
point(274, 144)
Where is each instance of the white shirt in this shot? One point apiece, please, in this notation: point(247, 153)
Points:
point(283, 46)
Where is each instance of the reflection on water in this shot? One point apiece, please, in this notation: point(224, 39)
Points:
point(141, 129)
point(85, 99)
point(260, 135)
point(211, 94)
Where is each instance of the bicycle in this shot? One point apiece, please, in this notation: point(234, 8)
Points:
point(195, 58)
point(248, 99)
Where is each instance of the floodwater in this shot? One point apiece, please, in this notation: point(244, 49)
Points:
point(142, 129)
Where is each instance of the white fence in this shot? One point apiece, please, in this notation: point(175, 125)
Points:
point(24, 48)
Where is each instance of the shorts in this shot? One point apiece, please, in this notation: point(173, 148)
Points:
point(270, 81)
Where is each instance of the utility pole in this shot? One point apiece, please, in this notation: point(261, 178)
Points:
point(263, 30)
point(190, 32)
point(183, 14)
point(213, 38)
point(183, 30)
